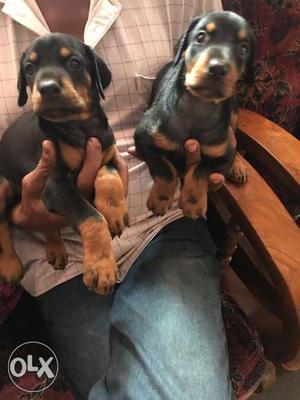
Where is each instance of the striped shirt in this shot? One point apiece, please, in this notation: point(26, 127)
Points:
point(135, 38)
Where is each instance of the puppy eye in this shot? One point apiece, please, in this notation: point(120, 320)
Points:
point(29, 69)
point(244, 48)
point(74, 63)
point(200, 38)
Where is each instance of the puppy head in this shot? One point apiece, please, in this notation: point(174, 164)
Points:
point(216, 50)
point(65, 77)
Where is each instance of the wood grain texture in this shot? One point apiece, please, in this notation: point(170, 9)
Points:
point(276, 237)
point(273, 147)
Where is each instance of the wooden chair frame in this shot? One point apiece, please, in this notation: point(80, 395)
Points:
point(259, 219)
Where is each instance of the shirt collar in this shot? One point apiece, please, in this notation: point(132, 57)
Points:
point(102, 15)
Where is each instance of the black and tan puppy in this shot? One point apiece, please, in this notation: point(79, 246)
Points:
point(66, 80)
point(194, 97)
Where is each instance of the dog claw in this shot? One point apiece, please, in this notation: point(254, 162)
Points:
point(101, 277)
point(58, 260)
point(192, 209)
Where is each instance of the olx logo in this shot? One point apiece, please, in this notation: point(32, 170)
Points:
point(33, 358)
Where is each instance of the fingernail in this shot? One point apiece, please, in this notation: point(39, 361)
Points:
point(192, 147)
point(45, 151)
point(95, 143)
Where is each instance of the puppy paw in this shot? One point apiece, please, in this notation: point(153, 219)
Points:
point(161, 198)
point(110, 200)
point(11, 269)
point(158, 205)
point(99, 264)
point(117, 221)
point(115, 213)
point(101, 275)
point(193, 207)
point(193, 196)
point(238, 171)
point(57, 255)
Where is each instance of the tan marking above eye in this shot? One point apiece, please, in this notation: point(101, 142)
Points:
point(33, 56)
point(242, 34)
point(211, 27)
point(65, 52)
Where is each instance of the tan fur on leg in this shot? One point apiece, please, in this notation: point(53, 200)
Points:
point(110, 199)
point(193, 196)
point(55, 249)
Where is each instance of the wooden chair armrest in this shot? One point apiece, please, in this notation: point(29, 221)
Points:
point(268, 225)
point(273, 147)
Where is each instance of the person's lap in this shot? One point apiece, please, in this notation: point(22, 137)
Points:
point(160, 336)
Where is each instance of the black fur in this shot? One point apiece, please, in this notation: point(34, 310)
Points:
point(180, 111)
point(57, 119)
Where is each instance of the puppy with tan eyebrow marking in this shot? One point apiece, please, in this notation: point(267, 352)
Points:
point(66, 80)
point(193, 97)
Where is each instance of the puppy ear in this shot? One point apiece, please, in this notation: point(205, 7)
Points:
point(22, 83)
point(183, 42)
point(100, 73)
point(249, 69)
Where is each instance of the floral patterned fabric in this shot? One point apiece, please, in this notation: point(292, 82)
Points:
point(58, 391)
point(276, 90)
point(245, 350)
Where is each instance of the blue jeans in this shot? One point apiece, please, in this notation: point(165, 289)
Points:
point(158, 337)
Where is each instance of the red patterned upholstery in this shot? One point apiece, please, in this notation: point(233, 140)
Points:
point(276, 91)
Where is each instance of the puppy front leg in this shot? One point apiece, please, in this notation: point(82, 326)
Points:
point(193, 195)
point(110, 199)
point(165, 181)
point(55, 250)
point(10, 264)
point(238, 171)
point(164, 174)
point(99, 265)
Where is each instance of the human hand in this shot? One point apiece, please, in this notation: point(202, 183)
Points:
point(31, 213)
point(193, 156)
point(192, 151)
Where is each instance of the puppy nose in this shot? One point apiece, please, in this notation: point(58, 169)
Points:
point(47, 87)
point(217, 68)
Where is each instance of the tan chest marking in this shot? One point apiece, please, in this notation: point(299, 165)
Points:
point(217, 150)
point(162, 142)
point(72, 156)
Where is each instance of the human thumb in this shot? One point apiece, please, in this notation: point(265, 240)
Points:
point(34, 182)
